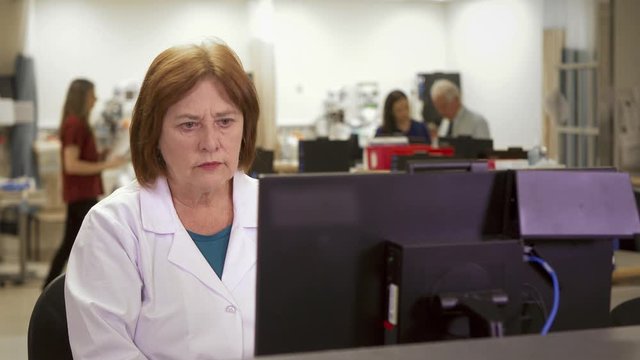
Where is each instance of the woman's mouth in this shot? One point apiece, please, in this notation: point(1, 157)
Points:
point(209, 165)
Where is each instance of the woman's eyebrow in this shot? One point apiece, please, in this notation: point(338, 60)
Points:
point(218, 114)
point(188, 116)
point(226, 113)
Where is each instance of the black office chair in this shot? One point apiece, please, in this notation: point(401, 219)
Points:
point(48, 335)
point(627, 313)
point(262, 164)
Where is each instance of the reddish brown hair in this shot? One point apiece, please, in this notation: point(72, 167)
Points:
point(171, 75)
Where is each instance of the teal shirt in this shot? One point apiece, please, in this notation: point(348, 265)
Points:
point(213, 247)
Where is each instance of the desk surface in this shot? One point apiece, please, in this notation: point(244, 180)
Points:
point(635, 180)
point(611, 343)
point(627, 265)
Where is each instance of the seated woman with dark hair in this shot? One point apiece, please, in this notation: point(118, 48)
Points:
point(397, 119)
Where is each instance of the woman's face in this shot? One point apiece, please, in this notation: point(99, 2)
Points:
point(91, 99)
point(401, 111)
point(201, 138)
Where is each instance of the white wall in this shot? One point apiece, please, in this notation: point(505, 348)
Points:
point(319, 45)
point(496, 45)
point(577, 17)
point(116, 40)
point(322, 45)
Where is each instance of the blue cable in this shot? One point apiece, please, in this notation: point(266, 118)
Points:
point(556, 291)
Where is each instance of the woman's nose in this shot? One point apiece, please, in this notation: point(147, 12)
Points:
point(209, 139)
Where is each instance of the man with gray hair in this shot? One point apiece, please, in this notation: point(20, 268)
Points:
point(458, 120)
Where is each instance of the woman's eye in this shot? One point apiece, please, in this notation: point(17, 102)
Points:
point(189, 124)
point(225, 122)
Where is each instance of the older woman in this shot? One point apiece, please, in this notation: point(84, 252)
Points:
point(164, 268)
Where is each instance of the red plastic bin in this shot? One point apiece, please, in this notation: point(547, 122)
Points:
point(379, 156)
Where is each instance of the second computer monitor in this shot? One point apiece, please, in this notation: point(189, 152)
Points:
point(460, 165)
point(466, 147)
point(324, 155)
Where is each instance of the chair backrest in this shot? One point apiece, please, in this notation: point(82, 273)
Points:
point(626, 313)
point(262, 164)
point(48, 335)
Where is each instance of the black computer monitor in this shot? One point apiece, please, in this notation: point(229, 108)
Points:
point(322, 266)
point(399, 161)
point(466, 147)
point(321, 248)
point(508, 154)
point(324, 155)
point(464, 165)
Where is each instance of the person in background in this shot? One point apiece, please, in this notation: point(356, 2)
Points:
point(457, 119)
point(81, 164)
point(165, 267)
point(396, 119)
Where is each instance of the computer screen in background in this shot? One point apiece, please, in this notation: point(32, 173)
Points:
point(324, 155)
point(466, 147)
point(399, 161)
point(463, 165)
point(510, 153)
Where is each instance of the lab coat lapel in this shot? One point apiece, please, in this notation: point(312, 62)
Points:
point(241, 253)
point(185, 254)
point(159, 216)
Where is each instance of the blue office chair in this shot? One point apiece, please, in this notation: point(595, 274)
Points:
point(48, 335)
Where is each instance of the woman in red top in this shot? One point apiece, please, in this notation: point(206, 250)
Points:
point(81, 180)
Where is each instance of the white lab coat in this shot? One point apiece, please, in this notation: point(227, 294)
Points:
point(137, 287)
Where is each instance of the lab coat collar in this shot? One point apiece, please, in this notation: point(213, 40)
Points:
point(157, 211)
point(242, 250)
point(245, 200)
point(159, 216)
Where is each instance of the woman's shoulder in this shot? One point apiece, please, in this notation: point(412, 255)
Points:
point(125, 199)
point(72, 126)
point(415, 122)
point(139, 207)
point(73, 121)
point(419, 126)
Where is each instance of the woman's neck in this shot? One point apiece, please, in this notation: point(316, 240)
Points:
point(204, 212)
point(404, 125)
